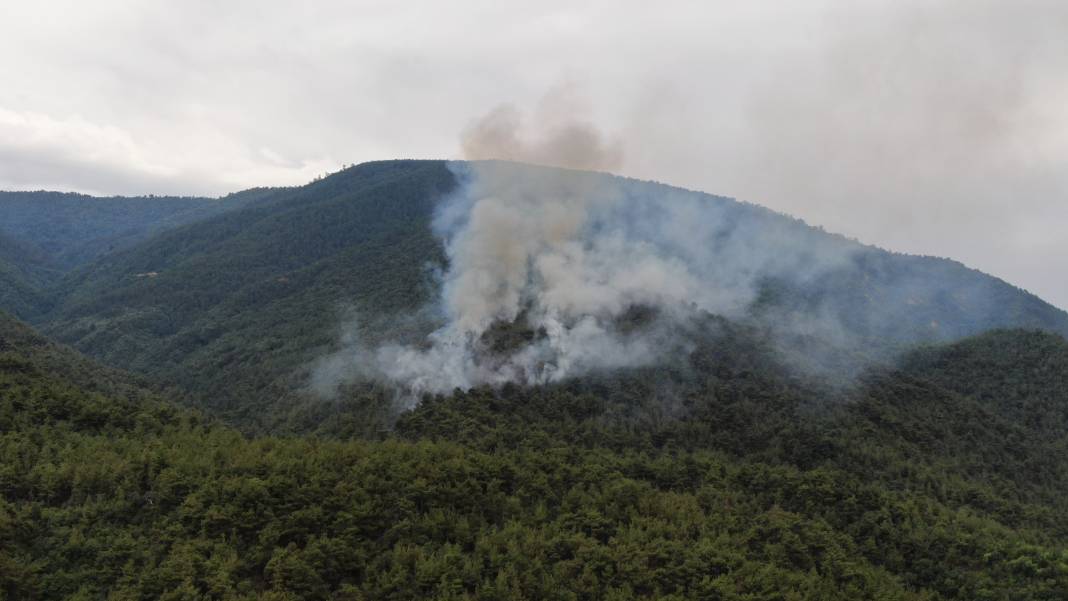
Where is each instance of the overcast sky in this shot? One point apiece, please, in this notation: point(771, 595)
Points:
point(933, 127)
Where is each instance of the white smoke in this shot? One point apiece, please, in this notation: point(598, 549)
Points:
point(566, 256)
point(561, 135)
point(554, 272)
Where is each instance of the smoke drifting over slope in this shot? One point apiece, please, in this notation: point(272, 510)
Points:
point(554, 273)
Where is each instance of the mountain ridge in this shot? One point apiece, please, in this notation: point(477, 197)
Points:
point(264, 290)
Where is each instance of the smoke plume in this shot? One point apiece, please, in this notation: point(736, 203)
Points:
point(554, 273)
point(561, 136)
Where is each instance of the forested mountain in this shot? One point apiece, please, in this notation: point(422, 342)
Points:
point(756, 486)
point(24, 275)
point(927, 459)
point(235, 308)
point(258, 293)
point(73, 229)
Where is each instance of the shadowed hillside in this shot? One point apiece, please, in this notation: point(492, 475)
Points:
point(24, 274)
point(73, 229)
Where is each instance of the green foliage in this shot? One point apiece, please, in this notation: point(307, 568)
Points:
point(244, 300)
point(44, 235)
point(24, 273)
point(73, 229)
point(911, 486)
point(724, 473)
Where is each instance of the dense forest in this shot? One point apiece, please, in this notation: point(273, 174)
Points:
point(944, 479)
point(73, 229)
point(160, 437)
point(24, 274)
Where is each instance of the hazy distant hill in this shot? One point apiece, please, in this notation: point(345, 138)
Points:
point(72, 229)
point(24, 274)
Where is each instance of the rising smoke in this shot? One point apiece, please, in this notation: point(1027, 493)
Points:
point(553, 273)
point(561, 135)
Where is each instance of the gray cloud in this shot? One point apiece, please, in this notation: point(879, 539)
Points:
point(923, 127)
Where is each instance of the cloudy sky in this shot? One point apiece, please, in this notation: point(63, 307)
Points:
point(928, 127)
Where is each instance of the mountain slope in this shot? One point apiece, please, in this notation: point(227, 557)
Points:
point(255, 293)
point(972, 411)
point(73, 229)
point(549, 492)
point(24, 274)
point(236, 307)
point(926, 432)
